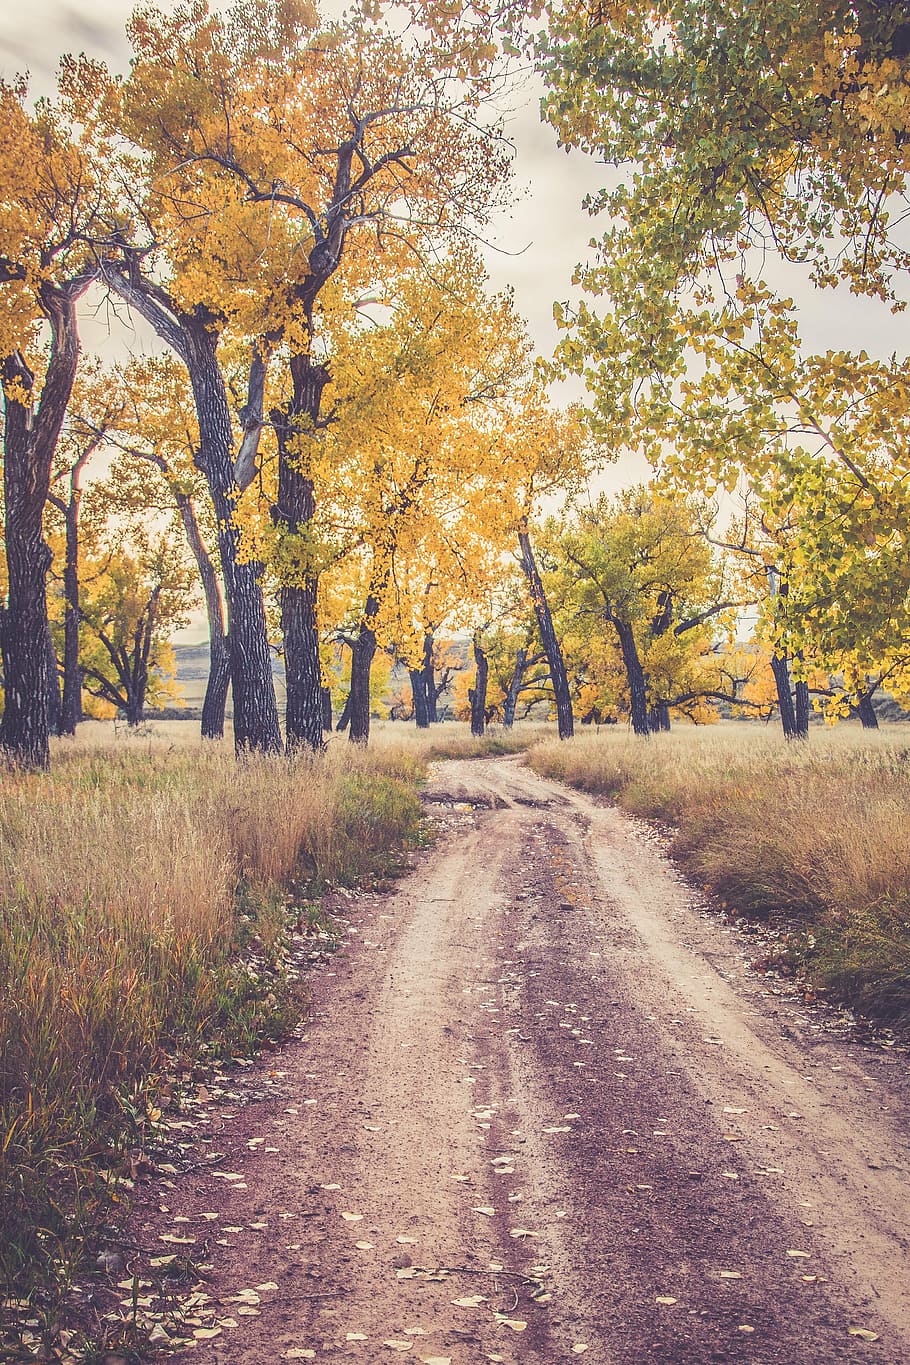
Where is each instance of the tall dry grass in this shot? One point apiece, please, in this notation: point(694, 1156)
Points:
point(143, 890)
point(816, 835)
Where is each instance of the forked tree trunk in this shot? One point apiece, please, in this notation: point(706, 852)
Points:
point(635, 676)
point(293, 513)
point(195, 340)
point(556, 663)
point(866, 712)
point(659, 717)
point(511, 699)
point(345, 717)
point(478, 693)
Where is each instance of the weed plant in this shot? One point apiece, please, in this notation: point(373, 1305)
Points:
point(813, 836)
point(144, 907)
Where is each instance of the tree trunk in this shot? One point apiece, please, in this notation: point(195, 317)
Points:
point(551, 647)
point(801, 709)
point(216, 689)
point(30, 438)
point(478, 693)
point(362, 655)
point(293, 514)
point(255, 707)
point(866, 711)
point(71, 711)
point(219, 645)
point(780, 667)
point(659, 717)
point(54, 696)
point(419, 693)
point(345, 717)
point(327, 709)
point(511, 701)
point(635, 676)
point(429, 679)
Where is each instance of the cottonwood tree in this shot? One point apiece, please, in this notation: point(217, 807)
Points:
point(50, 198)
point(368, 147)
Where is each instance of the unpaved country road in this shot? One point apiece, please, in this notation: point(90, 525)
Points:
point(546, 1085)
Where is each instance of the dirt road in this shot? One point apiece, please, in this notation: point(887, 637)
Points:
point(544, 1110)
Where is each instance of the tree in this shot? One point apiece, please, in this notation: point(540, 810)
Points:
point(790, 141)
point(641, 566)
point(49, 194)
point(367, 142)
point(138, 597)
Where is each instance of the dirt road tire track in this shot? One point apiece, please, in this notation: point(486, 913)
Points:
point(540, 1023)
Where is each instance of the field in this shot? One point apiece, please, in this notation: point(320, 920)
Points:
point(151, 891)
point(812, 837)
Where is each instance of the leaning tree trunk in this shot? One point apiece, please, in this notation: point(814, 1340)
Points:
point(345, 717)
point(195, 340)
point(363, 651)
point(419, 694)
point(866, 712)
point(255, 707)
point(780, 667)
point(552, 650)
point(429, 679)
point(293, 514)
point(511, 700)
point(635, 676)
point(30, 438)
point(478, 693)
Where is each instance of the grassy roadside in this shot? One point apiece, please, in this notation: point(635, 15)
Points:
point(147, 891)
point(811, 837)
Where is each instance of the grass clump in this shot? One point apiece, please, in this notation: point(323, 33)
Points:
point(146, 894)
point(810, 836)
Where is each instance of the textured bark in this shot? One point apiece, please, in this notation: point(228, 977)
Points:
point(635, 675)
point(511, 701)
point(30, 438)
point(362, 655)
point(552, 650)
point(327, 709)
point(419, 693)
point(71, 706)
point(345, 717)
point(780, 667)
point(293, 513)
point(54, 694)
point(478, 693)
point(866, 712)
point(255, 707)
point(429, 680)
point(801, 709)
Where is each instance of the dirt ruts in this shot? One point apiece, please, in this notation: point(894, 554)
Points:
point(543, 1110)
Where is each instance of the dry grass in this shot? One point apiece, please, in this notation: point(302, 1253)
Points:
point(144, 893)
point(814, 835)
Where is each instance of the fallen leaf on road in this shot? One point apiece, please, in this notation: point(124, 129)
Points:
point(394, 1345)
point(470, 1301)
point(744, 1327)
point(664, 1298)
point(521, 1232)
point(352, 1217)
point(515, 1324)
point(416, 1332)
point(268, 1286)
point(556, 1129)
point(299, 1353)
point(406, 1241)
point(801, 1255)
point(486, 1210)
point(730, 1275)
point(356, 1336)
point(206, 1333)
point(731, 1109)
point(579, 1348)
point(330, 1187)
point(863, 1333)
point(443, 1360)
point(364, 1246)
